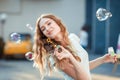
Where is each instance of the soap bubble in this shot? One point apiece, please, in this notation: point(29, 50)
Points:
point(102, 14)
point(15, 37)
point(29, 26)
point(29, 56)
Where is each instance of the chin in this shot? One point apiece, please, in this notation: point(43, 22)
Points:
point(52, 37)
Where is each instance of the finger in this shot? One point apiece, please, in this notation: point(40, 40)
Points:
point(115, 59)
point(115, 55)
point(55, 52)
point(60, 57)
point(59, 48)
point(62, 47)
point(109, 54)
point(112, 60)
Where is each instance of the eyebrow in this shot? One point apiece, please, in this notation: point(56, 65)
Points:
point(45, 23)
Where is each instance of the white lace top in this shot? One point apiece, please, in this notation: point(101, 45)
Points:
point(80, 52)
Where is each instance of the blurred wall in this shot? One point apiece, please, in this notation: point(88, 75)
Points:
point(22, 12)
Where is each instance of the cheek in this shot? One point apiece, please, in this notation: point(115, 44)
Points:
point(58, 29)
point(44, 32)
point(56, 26)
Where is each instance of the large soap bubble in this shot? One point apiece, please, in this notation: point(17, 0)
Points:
point(29, 56)
point(102, 14)
point(15, 37)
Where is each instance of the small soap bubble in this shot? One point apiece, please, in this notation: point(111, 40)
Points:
point(29, 26)
point(103, 14)
point(29, 56)
point(15, 37)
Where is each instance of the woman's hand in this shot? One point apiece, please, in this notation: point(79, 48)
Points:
point(109, 58)
point(62, 54)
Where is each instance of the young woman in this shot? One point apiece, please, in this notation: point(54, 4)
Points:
point(54, 47)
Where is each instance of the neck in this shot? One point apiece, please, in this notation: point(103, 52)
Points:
point(58, 37)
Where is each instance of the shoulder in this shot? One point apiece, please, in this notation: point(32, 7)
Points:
point(73, 36)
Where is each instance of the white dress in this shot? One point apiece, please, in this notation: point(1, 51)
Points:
point(81, 52)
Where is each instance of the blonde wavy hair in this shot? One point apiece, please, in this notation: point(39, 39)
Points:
point(41, 54)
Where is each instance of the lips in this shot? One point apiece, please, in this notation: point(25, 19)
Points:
point(49, 32)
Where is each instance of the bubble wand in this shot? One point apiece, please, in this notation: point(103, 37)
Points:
point(54, 45)
point(111, 51)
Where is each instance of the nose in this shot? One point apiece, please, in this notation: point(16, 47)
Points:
point(47, 29)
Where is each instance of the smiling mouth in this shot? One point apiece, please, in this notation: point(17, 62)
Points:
point(49, 33)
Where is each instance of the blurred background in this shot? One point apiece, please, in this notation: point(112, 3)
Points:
point(17, 23)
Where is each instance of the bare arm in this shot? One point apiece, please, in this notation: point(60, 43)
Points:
point(104, 59)
point(95, 63)
point(81, 74)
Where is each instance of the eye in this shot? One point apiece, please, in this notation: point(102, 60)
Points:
point(49, 23)
point(43, 29)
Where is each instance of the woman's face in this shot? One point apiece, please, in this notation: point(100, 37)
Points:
point(49, 27)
